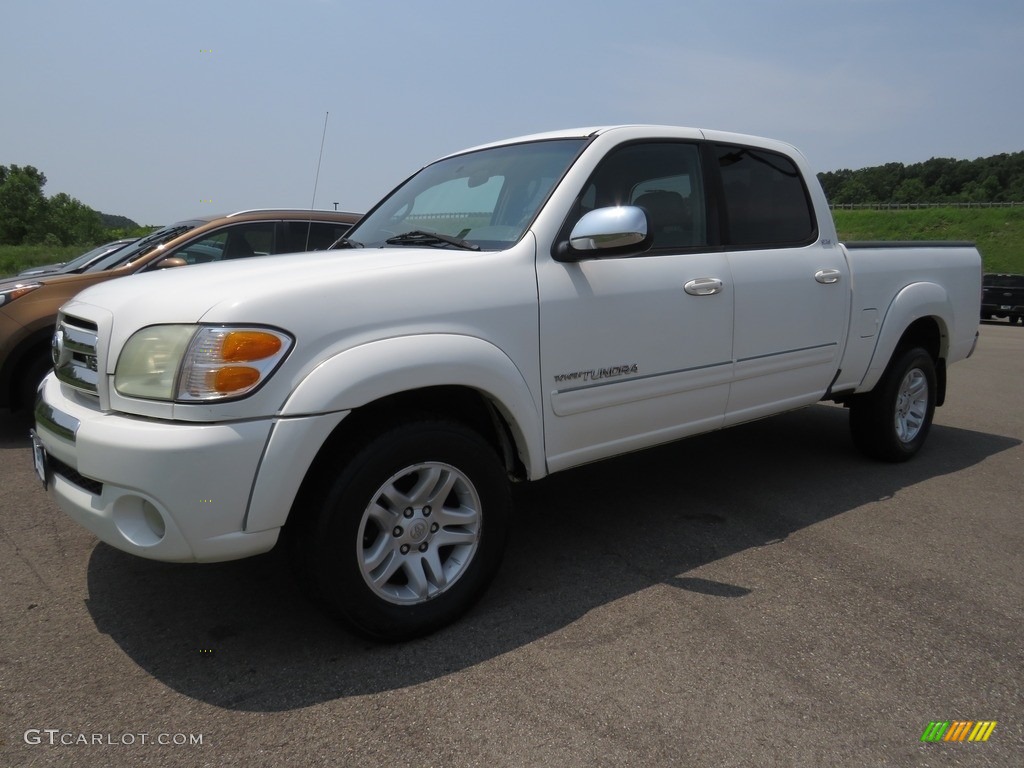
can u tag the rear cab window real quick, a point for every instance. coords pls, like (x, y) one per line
(766, 202)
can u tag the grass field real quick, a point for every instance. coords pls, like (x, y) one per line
(14, 258)
(998, 233)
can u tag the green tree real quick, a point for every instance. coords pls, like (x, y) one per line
(72, 222)
(22, 203)
(999, 178)
(910, 191)
(854, 191)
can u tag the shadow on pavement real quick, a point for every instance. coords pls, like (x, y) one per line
(241, 636)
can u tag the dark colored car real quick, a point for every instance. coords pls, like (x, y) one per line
(28, 305)
(79, 263)
(1002, 296)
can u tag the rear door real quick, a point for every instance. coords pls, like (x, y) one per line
(792, 289)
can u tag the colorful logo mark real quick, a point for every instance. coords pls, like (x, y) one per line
(959, 730)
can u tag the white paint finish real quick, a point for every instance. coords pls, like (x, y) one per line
(198, 476)
(790, 328)
(612, 312)
(513, 325)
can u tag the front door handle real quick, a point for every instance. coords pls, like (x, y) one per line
(827, 276)
(703, 286)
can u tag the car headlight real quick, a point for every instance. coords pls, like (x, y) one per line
(190, 363)
(7, 295)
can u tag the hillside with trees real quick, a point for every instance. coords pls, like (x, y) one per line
(996, 179)
(28, 217)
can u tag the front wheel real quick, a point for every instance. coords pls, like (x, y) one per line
(33, 372)
(892, 421)
(411, 531)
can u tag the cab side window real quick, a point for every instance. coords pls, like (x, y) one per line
(311, 235)
(662, 178)
(237, 242)
(766, 202)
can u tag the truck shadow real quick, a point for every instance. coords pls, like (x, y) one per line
(241, 635)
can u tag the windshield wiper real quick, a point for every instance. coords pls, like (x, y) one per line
(344, 242)
(419, 237)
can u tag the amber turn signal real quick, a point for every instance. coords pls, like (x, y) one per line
(243, 346)
(232, 379)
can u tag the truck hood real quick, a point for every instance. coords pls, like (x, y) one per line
(329, 289)
(187, 294)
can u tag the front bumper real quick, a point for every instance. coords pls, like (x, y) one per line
(165, 491)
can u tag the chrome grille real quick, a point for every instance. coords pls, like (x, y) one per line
(74, 353)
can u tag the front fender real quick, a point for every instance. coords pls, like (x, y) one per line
(372, 371)
(912, 303)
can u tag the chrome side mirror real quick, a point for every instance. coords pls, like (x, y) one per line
(606, 232)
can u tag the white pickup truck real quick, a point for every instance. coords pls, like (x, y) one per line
(507, 312)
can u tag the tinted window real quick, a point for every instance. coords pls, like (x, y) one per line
(766, 202)
(237, 242)
(664, 179)
(311, 236)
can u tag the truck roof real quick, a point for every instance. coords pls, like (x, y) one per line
(587, 132)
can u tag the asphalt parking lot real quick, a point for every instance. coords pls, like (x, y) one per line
(757, 597)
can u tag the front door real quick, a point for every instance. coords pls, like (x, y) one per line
(637, 350)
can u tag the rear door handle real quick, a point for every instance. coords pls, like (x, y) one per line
(827, 276)
(703, 286)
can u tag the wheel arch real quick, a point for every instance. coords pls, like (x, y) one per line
(386, 383)
(464, 378)
(459, 403)
(919, 316)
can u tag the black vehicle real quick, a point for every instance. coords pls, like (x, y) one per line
(1002, 296)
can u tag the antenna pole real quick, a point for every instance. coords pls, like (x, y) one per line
(316, 180)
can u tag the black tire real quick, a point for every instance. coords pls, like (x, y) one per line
(423, 509)
(33, 370)
(891, 422)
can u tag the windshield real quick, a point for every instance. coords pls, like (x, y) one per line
(142, 246)
(90, 256)
(484, 199)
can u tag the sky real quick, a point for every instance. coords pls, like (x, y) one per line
(160, 111)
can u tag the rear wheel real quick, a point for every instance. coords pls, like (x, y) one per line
(892, 421)
(411, 531)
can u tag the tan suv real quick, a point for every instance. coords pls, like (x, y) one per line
(28, 305)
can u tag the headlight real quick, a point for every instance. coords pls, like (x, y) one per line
(188, 363)
(7, 295)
